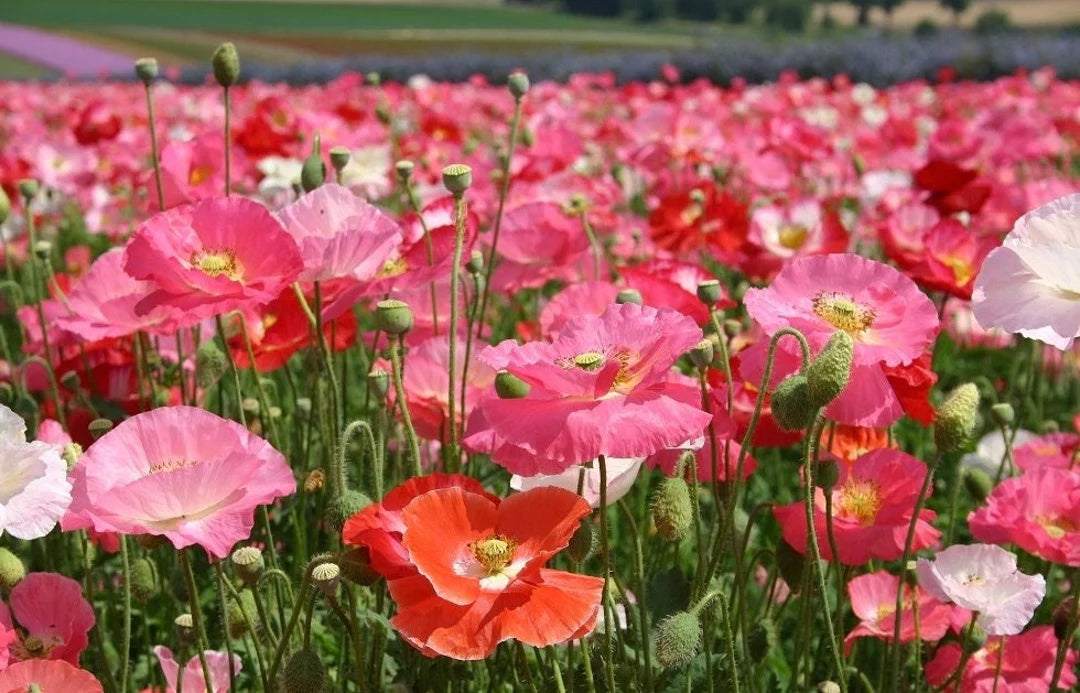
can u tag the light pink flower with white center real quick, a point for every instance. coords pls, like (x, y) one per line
(984, 578)
(34, 490)
(1031, 284)
(621, 473)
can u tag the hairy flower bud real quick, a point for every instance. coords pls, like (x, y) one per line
(240, 615)
(583, 541)
(210, 364)
(790, 564)
(761, 640)
(313, 172)
(379, 381)
(829, 373)
(978, 484)
(343, 507)
(457, 178)
(12, 570)
(672, 509)
(304, 673)
(509, 386)
(393, 317)
(678, 638)
(826, 475)
(226, 64)
(791, 405)
(355, 564)
(955, 421)
(144, 579)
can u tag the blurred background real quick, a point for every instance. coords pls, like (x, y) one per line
(310, 40)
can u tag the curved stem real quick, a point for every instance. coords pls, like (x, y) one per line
(406, 418)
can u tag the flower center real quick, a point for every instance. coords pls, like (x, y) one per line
(394, 267)
(199, 174)
(843, 312)
(589, 361)
(793, 236)
(972, 579)
(962, 270)
(494, 553)
(860, 501)
(215, 263)
(34, 647)
(1056, 527)
(170, 465)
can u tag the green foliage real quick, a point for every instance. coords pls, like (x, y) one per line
(925, 28)
(993, 22)
(596, 8)
(789, 15)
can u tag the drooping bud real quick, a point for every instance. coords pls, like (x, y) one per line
(99, 427)
(146, 69)
(457, 178)
(210, 364)
(339, 158)
(678, 638)
(393, 317)
(326, 577)
(702, 354)
(240, 614)
(791, 405)
(1003, 413)
(340, 509)
(582, 542)
(12, 570)
(829, 373)
(955, 421)
(978, 484)
(248, 564)
(708, 292)
(144, 579)
(509, 386)
(304, 673)
(628, 296)
(761, 640)
(672, 509)
(226, 64)
(518, 84)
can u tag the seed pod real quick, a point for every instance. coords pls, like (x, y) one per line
(393, 317)
(457, 178)
(304, 673)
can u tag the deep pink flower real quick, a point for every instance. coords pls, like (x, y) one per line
(873, 599)
(1057, 450)
(1027, 664)
(194, 681)
(182, 473)
(50, 676)
(54, 616)
(601, 388)
(215, 256)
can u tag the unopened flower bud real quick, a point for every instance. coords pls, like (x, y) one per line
(678, 638)
(762, 640)
(393, 317)
(978, 484)
(313, 172)
(28, 188)
(210, 364)
(304, 672)
(379, 381)
(12, 570)
(732, 327)
(509, 386)
(240, 614)
(339, 158)
(326, 577)
(974, 640)
(5, 206)
(829, 373)
(672, 509)
(628, 296)
(475, 263)
(146, 69)
(99, 427)
(340, 509)
(457, 178)
(955, 421)
(226, 64)
(518, 84)
(709, 292)
(1003, 413)
(404, 169)
(248, 564)
(791, 405)
(702, 354)
(144, 579)
(827, 474)
(582, 542)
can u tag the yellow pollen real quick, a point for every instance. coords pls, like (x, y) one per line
(199, 174)
(269, 320)
(393, 267)
(576, 205)
(973, 579)
(793, 236)
(692, 213)
(216, 263)
(961, 268)
(170, 465)
(494, 553)
(589, 361)
(843, 313)
(1056, 527)
(860, 501)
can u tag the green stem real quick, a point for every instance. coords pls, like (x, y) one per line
(154, 160)
(605, 548)
(220, 583)
(453, 461)
(125, 643)
(228, 143)
(196, 617)
(399, 390)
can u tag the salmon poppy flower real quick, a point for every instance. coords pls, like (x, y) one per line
(480, 575)
(53, 616)
(873, 599)
(873, 501)
(211, 257)
(178, 472)
(49, 676)
(603, 387)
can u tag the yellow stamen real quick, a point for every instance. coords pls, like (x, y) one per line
(843, 313)
(860, 501)
(494, 553)
(793, 236)
(215, 263)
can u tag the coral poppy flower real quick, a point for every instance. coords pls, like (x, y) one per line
(339, 234)
(911, 384)
(603, 387)
(48, 676)
(36, 492)
(873, 501)
(379, 526)
(193, 680)
(1038, 511)
(214, 256)
(182, 473)
(281, 328)
(851, 442)
(1027, 664)
(481, 578)
(53, 615)
(1031, 284)
(873, 599)
(890, 320)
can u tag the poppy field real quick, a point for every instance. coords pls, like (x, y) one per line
(475, 386)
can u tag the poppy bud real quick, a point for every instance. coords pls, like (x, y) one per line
(628, 296)
(978, 484)
(828, 687)
(708, 292)
(404, 169)
(28, 188)
(678, 638)
(393, 317)
(239, 614)
(672, 509)
(702, 354)
(457, 178)
(1003, 413)
(304, 673)
(5, 206)
(475, 263)
(12, 570)
(144, 579)
(379, 380)
(955, 421)
(226, 64)
(732, 327)
(248, 564)
(210, 364)
(826, 475)
(828, 374)
(339, 158)
(343, 507)
(582, 542)
(761, 640)
(518, 84)
(791, 405)
(313, 172)
(99, 427)
(509, 386)
(326, 577)
(146, 69)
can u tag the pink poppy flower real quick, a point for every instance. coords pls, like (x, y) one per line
(873, 599)
(873, 501)
(1056, 450)
(581, 297)
(984, 578)
(669, 284)
(601, 388)
(1027, 664)
(182, 473)
(890, 320)
(1031, 284)
(54, 616)
(800, 228)
(193, 679)
(193, 170)
(621, 473)
(538, 241)
(1039, 512)
(48, 676)
(215, 256)
(36, 492)
(339, 234)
